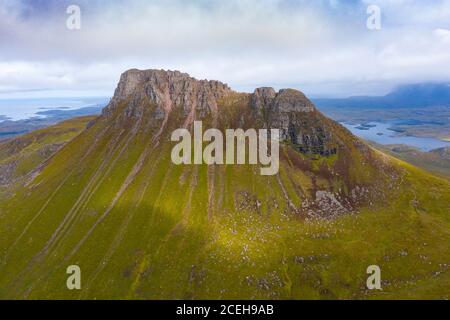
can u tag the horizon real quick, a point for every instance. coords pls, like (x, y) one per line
(71, 94)
(314, 97)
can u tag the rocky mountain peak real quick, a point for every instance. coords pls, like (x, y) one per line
(169, 90)
(298, 120)
(286, 100)
(291, 100)
(263, 96)
(173, 89)
(161, 92)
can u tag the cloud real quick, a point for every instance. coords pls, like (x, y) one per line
(322, 47)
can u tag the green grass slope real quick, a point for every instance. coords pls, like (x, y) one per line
(20, 156)
(432, 161)
(140, 227)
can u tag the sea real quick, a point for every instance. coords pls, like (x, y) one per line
(21, 109)
(382, 133)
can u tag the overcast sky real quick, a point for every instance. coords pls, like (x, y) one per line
(322, 47)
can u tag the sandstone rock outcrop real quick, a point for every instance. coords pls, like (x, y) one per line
(289, 110)
(169, 90)
(298, 120)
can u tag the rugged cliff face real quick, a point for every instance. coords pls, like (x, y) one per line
(169, 90)
(299, 121)
(289, 110)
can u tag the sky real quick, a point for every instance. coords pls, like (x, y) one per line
(322, 47)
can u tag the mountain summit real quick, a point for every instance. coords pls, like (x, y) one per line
(138, 226)
(174, 92)
(170, 89)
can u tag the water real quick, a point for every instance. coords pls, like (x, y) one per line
(19, 109)
(379, 132)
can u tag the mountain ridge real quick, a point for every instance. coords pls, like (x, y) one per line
(168, 90)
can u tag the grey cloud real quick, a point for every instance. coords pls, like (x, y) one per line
(323, 46)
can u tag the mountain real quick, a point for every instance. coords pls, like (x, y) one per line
(442, 153)
(406, 96)
(112, 202)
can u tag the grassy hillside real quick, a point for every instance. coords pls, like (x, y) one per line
(112, 202)
(20, 156)
(433, 161)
